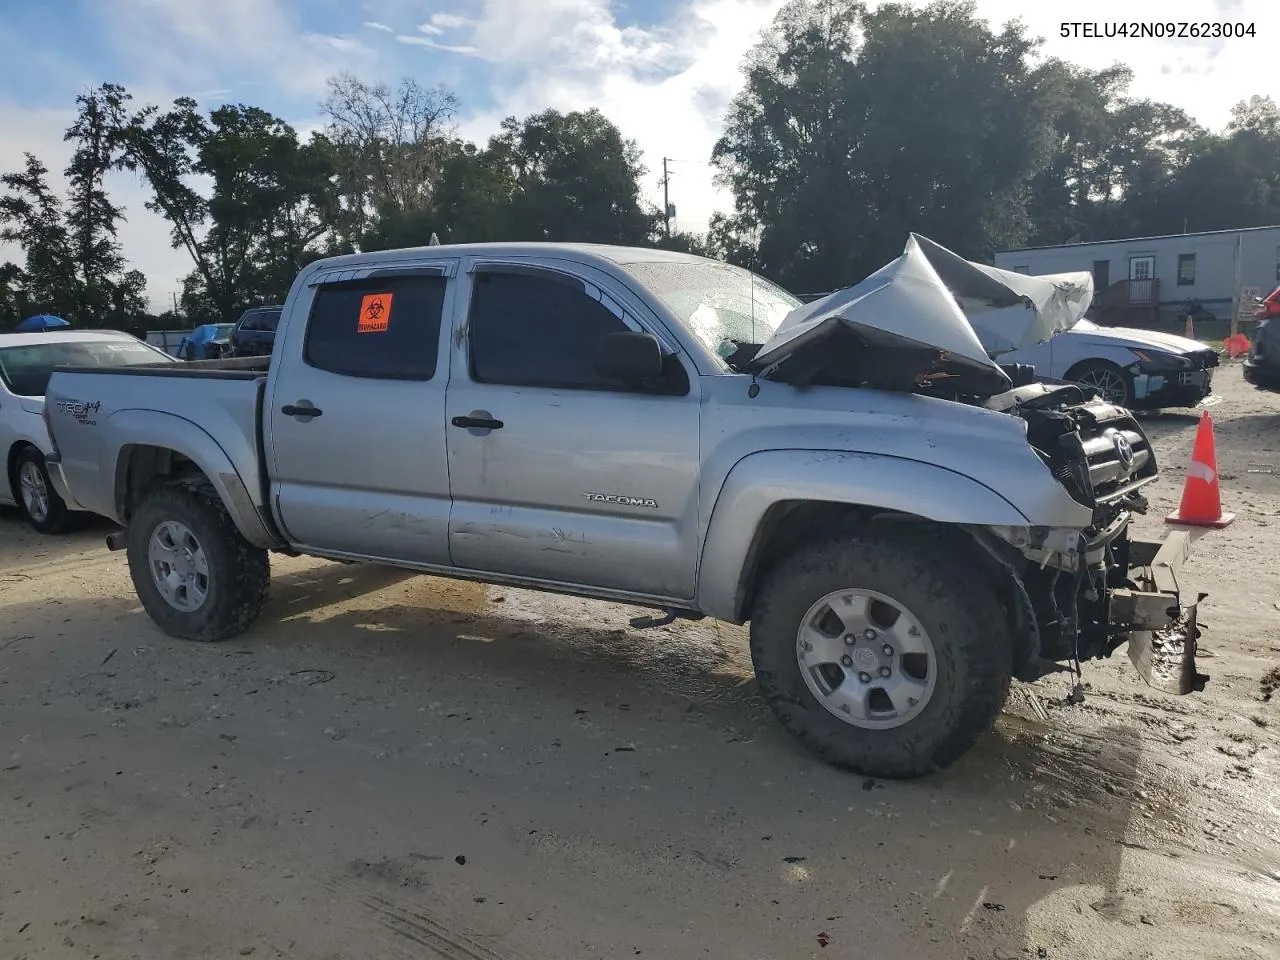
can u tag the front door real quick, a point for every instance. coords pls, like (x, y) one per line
(1101, 275)
(556, 475)
(1142, 279)
(356, 420)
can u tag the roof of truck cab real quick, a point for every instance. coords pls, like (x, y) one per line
(62, 336)
(587, 252)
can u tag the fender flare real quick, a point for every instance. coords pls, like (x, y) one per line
(149, 428)
(760, 481)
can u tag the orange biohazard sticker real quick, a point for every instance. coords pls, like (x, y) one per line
(375, 313)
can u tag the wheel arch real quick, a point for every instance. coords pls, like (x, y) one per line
(774, 500)
(1096, 361)
(176, 449)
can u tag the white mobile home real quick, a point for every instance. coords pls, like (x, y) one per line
(1153, 281)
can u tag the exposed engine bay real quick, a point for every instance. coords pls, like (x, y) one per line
(1091, 596)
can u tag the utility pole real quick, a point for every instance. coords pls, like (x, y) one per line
(666, 197)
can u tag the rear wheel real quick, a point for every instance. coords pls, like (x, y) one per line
(1115, 385)
(46, 511)
(196, 576)
(881, 654)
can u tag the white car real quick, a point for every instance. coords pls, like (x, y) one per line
(26, 363)
(1138, 369)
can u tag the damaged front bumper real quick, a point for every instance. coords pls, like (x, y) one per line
(1158, 615)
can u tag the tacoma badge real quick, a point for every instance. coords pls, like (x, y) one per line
(625, 501)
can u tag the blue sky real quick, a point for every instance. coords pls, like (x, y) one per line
(663, 70)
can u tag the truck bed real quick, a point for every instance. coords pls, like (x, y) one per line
(228, 368)
(99, 416)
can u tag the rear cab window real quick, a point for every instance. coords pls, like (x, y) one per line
(383, 328)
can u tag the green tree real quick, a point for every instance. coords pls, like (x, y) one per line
(32, 217)
(1113, 157)
(388, 148)
(856, 126)
(13, 297)
(572, 176)
(1232, 181)
(91, 218)
(269, 199)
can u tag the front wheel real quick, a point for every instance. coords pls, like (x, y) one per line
(882, 653)
(1115, 385)
(196, 576)
(46, 511)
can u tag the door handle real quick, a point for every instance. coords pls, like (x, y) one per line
(477, 423)
(300, 410)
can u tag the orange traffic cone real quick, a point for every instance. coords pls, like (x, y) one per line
(1201, 501)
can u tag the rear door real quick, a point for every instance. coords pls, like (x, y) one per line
(355, 417)
(555, 474)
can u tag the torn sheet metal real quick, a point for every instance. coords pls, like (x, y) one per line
(1010, 311)
(900, 328)
(928, 319)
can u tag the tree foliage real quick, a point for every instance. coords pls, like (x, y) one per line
(72, 266)
(855, 127)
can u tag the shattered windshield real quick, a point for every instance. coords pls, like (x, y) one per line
(721, 305)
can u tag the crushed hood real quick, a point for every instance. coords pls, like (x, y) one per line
(1010, 311)
(929, 320)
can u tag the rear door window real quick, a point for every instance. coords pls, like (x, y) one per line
(385, 328)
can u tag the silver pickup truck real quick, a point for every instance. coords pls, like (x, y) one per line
(904, 527)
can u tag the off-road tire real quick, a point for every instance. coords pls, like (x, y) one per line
(59, 518)
(239, 573)
(955, 604)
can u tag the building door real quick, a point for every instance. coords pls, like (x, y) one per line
(1142, 279)
(1101, 275)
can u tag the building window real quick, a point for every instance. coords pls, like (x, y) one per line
(1186, 269)
(1022, 269)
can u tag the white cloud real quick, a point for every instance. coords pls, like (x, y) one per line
(430, 29)
(667, 88)
(375, 25)
(1204, 76)
(433, 45)
(450, 21)
(175, 45)
(344, 44)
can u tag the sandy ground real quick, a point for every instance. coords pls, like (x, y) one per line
(397, 766)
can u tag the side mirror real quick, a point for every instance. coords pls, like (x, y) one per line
(633, 358)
